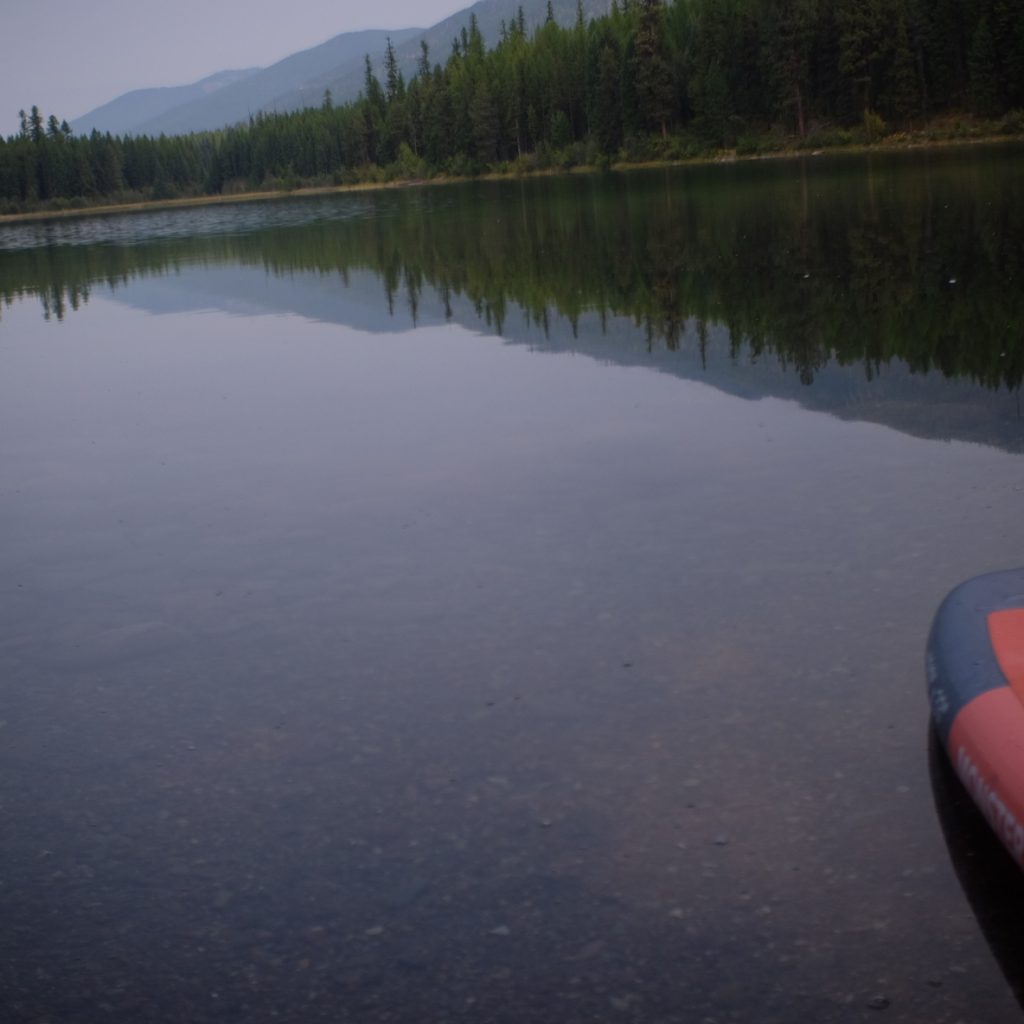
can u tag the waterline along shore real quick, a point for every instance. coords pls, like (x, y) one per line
(901, 142)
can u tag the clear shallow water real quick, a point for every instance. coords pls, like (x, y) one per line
(358, 671)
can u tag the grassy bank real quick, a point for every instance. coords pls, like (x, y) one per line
(673, 151)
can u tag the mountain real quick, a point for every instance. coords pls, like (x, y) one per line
(301, 79)
(346, 81)
(127, 112)
(263, 91)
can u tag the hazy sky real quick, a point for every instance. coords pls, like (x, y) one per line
(69, 56)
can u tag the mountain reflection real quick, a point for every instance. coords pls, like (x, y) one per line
(910, 259)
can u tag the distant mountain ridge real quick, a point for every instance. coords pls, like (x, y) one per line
(126, 112)
(301, 79)
(264, 90)
(345, 82)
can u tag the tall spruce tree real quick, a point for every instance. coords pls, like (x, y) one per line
(651, 71)
(981, 67)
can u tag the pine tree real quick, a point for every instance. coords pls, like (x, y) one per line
(653, 76)
(788, 31)
(35, 125)
(392, 76)
(606, 98)
(904, 89)
(863, 44)
(484, 118)
(981, 68)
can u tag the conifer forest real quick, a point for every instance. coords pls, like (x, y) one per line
(649, 80)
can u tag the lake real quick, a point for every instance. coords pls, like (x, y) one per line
(507, 601)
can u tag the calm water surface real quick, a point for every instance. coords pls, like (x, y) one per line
(506, 602)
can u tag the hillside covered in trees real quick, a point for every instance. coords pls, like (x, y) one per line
(648, 80)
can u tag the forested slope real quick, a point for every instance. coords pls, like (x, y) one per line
(650, 79)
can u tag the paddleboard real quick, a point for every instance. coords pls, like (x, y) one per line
(975, 669)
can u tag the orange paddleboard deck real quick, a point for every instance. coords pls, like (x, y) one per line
(975, 668)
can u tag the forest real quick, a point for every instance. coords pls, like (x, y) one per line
(650, 80)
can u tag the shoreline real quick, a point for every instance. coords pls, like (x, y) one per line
(894, 145)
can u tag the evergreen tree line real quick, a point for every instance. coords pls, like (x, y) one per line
(650, 79)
